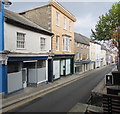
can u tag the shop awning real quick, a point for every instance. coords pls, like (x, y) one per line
(27, 58)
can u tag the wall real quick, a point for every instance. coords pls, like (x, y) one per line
(40, 16)
(59, 30)
(92, 52)
(14, 81)
(1, 27)
(82, 49)
(32, 40)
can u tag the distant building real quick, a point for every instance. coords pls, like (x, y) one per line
(92, 54)
(98, 60)
(82, 59)
(103, 55)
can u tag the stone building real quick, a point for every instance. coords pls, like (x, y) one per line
(55, 18)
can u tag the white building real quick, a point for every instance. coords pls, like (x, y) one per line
(97, 55)
(26, 48)
(92, 55)
(103, 55)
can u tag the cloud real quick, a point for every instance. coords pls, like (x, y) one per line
(84, 24)
(65, 0)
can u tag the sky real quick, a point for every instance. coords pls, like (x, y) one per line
(86, 12)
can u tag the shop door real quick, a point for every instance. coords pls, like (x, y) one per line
(24, 77)
(68, 66)
(56, 69)
(62, 68)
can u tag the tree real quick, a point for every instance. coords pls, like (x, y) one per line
(108, 28)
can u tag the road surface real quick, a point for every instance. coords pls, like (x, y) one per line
(63, 99)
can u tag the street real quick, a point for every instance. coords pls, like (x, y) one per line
(63, 99)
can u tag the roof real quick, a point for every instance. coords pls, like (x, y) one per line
(81, 39)
(20, 20)
(58, 6)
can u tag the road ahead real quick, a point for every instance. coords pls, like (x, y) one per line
(63, 99)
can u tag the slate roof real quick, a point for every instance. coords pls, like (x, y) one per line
(81, 39)
(17, 18)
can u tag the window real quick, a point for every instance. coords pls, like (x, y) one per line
(20, 40)
(42, 44)
(66, 43)
(64, 23)
(57, 19)
(57, 43)
(70, 26)
(77, 56)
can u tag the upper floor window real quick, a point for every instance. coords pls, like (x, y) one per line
(70, 26)
(57, 19)
(20, 40)
(77, 56)
(43, 44)
(64, 22)
(66, 43)
(57, 43)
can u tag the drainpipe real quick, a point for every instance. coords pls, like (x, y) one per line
(2, 63)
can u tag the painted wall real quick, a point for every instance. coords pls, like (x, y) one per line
(81, 51)
(32, 40)
(2, 66)
(103, 56)
(92, 52)
(98, 55)
(60, 31)
(1, 27)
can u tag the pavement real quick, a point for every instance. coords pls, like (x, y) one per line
(99, 90)
(30, 93)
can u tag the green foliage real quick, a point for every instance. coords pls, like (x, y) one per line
(107, 24)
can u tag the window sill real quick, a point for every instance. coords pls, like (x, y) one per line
(57, 25)
(20, 49)
(66, 51)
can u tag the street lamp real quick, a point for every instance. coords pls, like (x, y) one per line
(6, 2)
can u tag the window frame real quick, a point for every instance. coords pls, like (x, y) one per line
(70, 26)
(66, 44)
(57, 43)
(42, 44)
(57, 19)
(65, 23)
(20, 41)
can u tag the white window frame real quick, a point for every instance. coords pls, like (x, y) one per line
(20, 41)
(57, 42)
(57, 18)
(66, 44)
(70, 26)
(65, 23)
(42, 44)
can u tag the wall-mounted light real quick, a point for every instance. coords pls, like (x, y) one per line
(7, 3)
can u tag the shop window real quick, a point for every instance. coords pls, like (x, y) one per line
(41, 64)
(14, 67)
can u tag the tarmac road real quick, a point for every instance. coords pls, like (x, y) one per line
(63, 99)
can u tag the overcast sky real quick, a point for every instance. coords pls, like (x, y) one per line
(86, 13)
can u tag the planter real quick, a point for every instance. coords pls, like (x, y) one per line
(116, 77)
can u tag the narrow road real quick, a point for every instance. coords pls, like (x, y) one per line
(63, 99)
